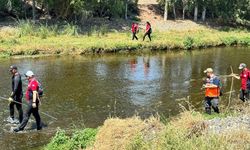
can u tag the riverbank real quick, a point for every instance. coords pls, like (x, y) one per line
(189, 130)
(27, 39)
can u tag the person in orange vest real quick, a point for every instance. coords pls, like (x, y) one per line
(245, 82)
(212, 91)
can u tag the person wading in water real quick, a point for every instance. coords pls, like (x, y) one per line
(148, 31)
(245, 82)
(212, 91)
(16, 95)
(32, 97)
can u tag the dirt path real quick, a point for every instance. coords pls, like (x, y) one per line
(150, 11)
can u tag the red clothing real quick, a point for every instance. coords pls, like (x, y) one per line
(244, 75)
(134, 27)
(32, 86)
(148, 27)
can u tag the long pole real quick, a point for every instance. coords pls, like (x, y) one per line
(27, 105)
(231, 88)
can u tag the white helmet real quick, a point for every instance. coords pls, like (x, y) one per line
(29, 74)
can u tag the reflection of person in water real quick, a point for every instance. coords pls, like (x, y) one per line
(146, 62)
(133, 63)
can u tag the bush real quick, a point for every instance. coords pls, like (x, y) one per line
(188, 43)
(79, 140)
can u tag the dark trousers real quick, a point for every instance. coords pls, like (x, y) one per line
(212, 102)
(244, 95)
(18, 107)
(134, 36)
(147, 34)
(30, 110)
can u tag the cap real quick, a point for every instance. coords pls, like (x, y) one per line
(242, 66)
(13, 67)
(210, 70)
(29, 74)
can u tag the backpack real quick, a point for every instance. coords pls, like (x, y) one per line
(40, 89)
(248, 80)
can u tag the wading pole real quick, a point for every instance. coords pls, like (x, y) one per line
(231, 89)
(27, 105)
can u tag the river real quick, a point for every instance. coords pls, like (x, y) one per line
(82, 91)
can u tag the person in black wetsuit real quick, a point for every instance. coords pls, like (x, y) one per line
(16, 94)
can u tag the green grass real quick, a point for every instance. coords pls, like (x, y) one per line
(80, 139)
(67, 39)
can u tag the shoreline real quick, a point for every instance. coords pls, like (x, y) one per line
(37, 42)
(190, 129)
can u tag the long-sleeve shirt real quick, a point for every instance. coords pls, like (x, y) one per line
(17, 86)
(244, 76)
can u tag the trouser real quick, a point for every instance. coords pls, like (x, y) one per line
(18, 107)
(244, 95)
(134, 36)
(147, 34)
(30, 110)
(212, 102)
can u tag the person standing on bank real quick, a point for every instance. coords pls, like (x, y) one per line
(245, 82)
(33, 99)
(212, 91)
(148, 31)
(16, 95)
(134, 29)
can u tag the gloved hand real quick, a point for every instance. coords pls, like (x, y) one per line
(34, 105)
(11, 99)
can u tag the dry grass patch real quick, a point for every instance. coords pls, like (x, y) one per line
(119, 133)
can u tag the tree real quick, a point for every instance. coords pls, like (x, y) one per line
(166, 11)
(184, 7)
(126, 9)
(196, 10)
(174, 12)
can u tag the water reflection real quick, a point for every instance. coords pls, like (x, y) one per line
(87, 90)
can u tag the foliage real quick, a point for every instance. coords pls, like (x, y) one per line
(80, 139)
(188, 42)
(226, 11)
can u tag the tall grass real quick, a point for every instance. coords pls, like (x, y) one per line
(68, 39)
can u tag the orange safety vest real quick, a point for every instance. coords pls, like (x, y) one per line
(212, 92)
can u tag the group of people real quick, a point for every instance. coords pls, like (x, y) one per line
(31, 95)
(135, 30)
(212, 87)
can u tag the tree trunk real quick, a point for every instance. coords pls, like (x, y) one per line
(33, 10)
(126, 10)
(166, 11)
(196, 12)
(174, 11)
(204, 13)
(183, 12)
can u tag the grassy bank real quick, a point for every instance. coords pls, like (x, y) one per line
(27, 39)
(189, 130)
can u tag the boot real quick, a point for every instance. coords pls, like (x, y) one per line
(216, 109)
(208, 111)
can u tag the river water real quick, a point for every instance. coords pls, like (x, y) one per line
(82, 91)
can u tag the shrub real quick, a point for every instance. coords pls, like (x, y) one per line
(188, 43)
(79, 140)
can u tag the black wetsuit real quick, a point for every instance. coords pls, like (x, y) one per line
(17, 95)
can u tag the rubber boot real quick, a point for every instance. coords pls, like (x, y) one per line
(216, 109)
(208, 111)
